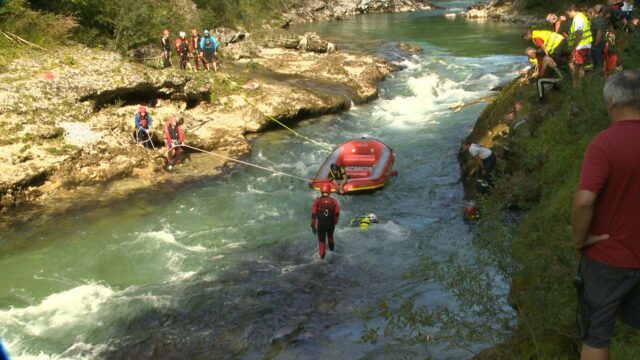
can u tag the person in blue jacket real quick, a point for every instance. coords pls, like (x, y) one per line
(209, 46)
(142, 121)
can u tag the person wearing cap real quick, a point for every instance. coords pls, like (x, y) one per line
(166, 49)
(325, 213)
(338, 177)
(142, 122)
(209, 45)
(195, 50)
(182, 48)
(175, 140)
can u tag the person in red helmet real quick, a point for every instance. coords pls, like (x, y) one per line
(142, 122)
(324, 217)
(175, 141)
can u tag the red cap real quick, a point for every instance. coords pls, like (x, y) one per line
(142, 109)
(325, 189)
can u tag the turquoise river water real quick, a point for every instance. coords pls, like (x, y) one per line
(227, 267)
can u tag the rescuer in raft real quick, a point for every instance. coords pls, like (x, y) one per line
(338, 176)
(324, 217)
(363, 221)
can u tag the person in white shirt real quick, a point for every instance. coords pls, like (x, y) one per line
(580, 39)
(486, 161)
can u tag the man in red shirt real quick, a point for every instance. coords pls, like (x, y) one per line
(325, 212)
(605, 221)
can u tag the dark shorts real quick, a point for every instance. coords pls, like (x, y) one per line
(608, 291)
(210, 56)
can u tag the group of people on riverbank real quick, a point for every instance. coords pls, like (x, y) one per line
(583, 39)
(201, 48)
(174, 136)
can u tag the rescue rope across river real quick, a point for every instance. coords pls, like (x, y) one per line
(244, 162)
(324, 146)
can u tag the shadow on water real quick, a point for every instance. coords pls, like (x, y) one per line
(292, 298)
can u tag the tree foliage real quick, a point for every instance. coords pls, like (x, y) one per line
(123, 25)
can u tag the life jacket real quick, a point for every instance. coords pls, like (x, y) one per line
(550, 39)
(184, 47)
(337, 175)
(326, 210)
(208, 42)
(195, 43)
(166, 43)
(364, 223)
(144, 122)
(587, 38)
(173, 132)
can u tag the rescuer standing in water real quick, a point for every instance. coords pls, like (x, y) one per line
(324, 217)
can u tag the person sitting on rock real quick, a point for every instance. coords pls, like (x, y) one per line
(182, 48)
(175, 140)
(486, 161)
(338, 177)
(142, 122)
(209, 45)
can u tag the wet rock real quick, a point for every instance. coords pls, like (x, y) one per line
(410, 48)
(242, 50)
(286, 333)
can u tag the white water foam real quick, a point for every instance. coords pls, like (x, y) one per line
(69, 314)
(167, 237)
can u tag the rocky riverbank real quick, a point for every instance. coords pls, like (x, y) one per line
(67, 115)
(501, 10)
(340, 9)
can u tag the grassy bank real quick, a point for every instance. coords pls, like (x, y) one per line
(539, 175)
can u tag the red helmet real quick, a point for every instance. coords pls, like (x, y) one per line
(325, 189)
(142, 109)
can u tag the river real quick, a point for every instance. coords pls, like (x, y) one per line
(227, 267)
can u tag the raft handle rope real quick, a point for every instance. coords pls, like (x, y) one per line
(244, 162)
(324, 146)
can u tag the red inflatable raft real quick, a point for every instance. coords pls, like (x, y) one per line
(368, 163)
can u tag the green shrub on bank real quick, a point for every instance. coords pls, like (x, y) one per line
(550, 156)
(118, 25)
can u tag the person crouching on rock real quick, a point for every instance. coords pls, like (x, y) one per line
(142, 121)
(338, 177)
(175, 141)
(325, 212)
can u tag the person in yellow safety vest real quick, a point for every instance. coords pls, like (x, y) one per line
(547, 40)
(552, 43)
(363, 221)
(580, 40)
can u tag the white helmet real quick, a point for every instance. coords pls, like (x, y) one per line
(183, 34)
(373, 217)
